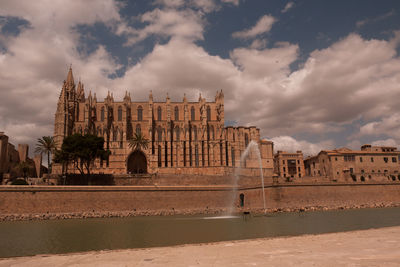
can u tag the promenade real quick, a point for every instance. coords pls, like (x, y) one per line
(374, 247)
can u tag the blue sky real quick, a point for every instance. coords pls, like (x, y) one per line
(310, 74)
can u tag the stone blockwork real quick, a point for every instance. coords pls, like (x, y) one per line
(199, 199)
(187, 137)
(370, 163)
(289, 165)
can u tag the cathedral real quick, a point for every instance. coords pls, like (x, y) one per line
(184, 137)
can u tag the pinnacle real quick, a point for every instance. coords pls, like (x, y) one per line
(70, 77)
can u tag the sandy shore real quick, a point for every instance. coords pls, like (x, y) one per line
(375, 247)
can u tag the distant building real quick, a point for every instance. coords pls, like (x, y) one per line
(10, 157)
(289, 165)
(184, 137)
(371, 162)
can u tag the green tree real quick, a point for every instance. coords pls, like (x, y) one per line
(82, 150)
(46, 145)
(138, 142)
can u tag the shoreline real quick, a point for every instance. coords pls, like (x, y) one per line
(173, 212)
(372, 247)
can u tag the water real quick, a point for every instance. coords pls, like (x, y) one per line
(252, 146)
(76, 235)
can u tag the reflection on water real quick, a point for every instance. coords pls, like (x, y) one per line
(63, 236)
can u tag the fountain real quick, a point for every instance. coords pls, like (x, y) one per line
(252, 146)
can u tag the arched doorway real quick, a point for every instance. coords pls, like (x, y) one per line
(137, 163)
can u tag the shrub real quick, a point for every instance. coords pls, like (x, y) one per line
(19, 182)
(353, 176)
(362, 179)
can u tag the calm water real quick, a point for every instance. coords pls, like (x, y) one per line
(63, 236)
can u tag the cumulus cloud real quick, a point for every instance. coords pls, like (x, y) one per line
(35, 61)
(385, 142)
(263, 25)
(234, 2)
(185, 24)
(289, 144)
(288, 6)
(387, 125)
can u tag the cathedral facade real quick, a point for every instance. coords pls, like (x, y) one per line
(184, 137)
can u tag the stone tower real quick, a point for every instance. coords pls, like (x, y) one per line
(66, 110)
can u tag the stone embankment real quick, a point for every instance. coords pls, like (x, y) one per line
(122, 214)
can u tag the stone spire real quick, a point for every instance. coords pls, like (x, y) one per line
(70, 77)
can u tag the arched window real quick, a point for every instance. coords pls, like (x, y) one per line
(140, 113)
(246, 139)
(159, 156)
(196, 155)
(195, 133)
(192, 114)
(233, 156)
(177, 133)
(138, 129)
(176, 113)
(159, 134)
(115, 133)
(102, 114)
(159, 113)
(119, 113)
(208, 113)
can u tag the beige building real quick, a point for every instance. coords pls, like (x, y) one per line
(289, 165)
(185, 137)
(10, 157)
(371, 162)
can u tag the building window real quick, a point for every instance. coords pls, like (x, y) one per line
(284, 169)
(159, 134)
(349, 158)
(394, 159)
(298, 161)
(192, 114)
(373, 171)
(335, 158)
(195, 133)
(159, 113)
(208, 113)
(283, 162)
(372, 159)
(362, 171)
(140, 113)
(176, 113)
(361, 159)
(177, 133)
(119, 113)
(196, 156)
(159, 156)
(138, 129)
(233, 156)
(102, 114)
(385, 159)
(246, 139)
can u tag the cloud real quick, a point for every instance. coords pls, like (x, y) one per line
(388, 126)
(288, 6)
(186, 24)
(35, 62)
(385, 142)
(263, 25)
(289, 144)
(362, 23)
(234, 2)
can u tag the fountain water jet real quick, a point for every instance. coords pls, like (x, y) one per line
(252, 146)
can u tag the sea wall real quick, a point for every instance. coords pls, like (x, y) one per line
(190, 199)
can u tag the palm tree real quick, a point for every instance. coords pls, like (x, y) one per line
(138, 142)
(47, 145)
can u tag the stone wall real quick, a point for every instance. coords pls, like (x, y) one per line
(180, 199)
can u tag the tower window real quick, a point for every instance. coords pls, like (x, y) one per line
(176, 113)
(102, 114)
(208, 113)
(140, 113)
(159, 113)
(119, 113)
(192, 114)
